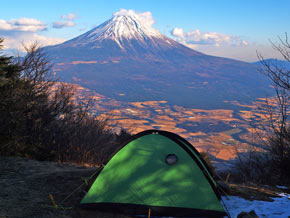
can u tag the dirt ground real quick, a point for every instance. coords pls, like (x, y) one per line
(25, 186)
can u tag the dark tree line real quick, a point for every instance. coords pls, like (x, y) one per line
(39, 118)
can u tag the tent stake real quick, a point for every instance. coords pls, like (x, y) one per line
(53, 201)
(227, 179)
(149, 212)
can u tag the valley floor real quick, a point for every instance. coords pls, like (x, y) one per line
(26, 185)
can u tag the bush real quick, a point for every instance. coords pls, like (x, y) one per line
(271, 163)
(39, 118)
(252, 167)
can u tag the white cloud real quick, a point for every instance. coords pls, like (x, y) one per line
(223, 45)
(66, 21)
(69, 16)
(244, 42)
(27, 38)
(178, 32)
(195, 37)
(62, 24)
(22, 24)
(24, 30)
(145, 17)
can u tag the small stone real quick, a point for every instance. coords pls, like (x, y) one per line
(251, 214)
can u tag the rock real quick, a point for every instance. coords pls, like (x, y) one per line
(251, 214)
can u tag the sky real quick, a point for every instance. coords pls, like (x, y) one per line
(234, 29)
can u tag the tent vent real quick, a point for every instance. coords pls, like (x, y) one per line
(171, 159)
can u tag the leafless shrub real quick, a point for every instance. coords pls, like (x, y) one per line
(271, 162)
(40, 119)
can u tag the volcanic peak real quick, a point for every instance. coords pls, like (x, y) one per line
(122, 27)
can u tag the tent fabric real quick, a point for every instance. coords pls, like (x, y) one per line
(137, 178)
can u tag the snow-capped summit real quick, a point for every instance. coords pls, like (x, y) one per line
(122, 29)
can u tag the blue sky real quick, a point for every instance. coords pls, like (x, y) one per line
(234, 29)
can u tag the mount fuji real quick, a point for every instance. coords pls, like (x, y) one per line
(128, 60)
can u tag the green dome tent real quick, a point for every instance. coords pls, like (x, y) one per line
(157, 170)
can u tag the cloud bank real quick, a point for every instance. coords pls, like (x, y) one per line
(22, 24)
(24, 30)
(194, 38)
(16, 43)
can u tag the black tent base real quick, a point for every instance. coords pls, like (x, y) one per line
(142, 210)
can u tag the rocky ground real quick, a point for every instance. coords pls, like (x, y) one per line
(25, 186)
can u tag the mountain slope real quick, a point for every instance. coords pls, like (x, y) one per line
(127, 60)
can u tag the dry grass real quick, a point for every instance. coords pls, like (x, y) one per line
(255, 192)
